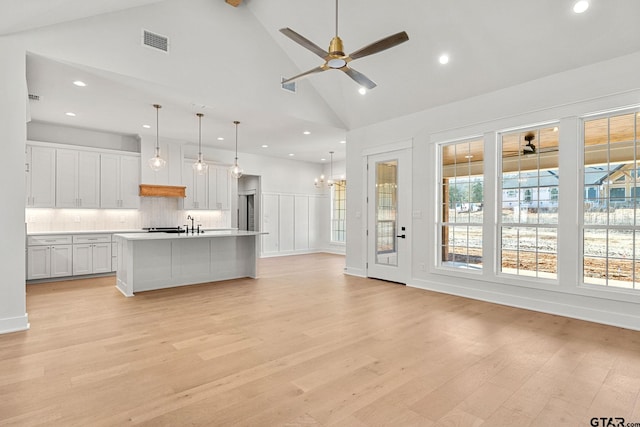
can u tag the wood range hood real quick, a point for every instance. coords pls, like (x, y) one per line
(149, 190)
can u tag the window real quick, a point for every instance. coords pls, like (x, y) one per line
(529, 203)
(462, 196)
(339, 211)
(611, 220)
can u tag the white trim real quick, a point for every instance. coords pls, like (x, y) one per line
(385, 148)
(581, 312)
(82, 148)
(357, 272)
(14, 324)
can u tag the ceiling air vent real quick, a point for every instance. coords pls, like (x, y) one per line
(33, 97)
(155, 41)
(289, 87)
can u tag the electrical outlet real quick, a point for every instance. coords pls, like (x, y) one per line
(76, 218)
(122, 218)
(422, 267)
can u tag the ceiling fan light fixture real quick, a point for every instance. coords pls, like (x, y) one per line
(156, 162)
(336, 63)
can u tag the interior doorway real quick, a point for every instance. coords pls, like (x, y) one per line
(248, 213)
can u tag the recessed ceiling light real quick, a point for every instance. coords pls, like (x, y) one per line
(70, 114)
(306, 132)
(265, 146)
(322, 159)
(362, 91)
(220, 138)
(444, 59)
(343, 142)
(580, 6)
(291, 154)
(146, 126)
(79, 83)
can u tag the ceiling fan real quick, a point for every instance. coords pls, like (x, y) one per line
(529, 148)
(336, 59)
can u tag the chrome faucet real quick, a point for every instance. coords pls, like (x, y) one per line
(189, 217)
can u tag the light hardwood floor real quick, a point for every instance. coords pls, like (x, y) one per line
(305, 345)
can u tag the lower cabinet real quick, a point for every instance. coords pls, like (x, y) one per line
(49, 261)
(91, 254)
(68, 255)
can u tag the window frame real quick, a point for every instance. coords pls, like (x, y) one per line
(511, 278)
(439, 265)
(614, 292)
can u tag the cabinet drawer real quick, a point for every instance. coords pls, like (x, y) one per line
(92, 238)
(48, 240)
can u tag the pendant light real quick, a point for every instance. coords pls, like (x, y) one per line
(319, 182)
(156, 162)
(236, 170)
(200, 167)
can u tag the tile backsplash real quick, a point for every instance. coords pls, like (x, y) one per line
(153, 212)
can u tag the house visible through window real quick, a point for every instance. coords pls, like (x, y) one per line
(339, 211)
(611, 220)
(529, 203)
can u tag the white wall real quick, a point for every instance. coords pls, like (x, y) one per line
(50, 132)
(563, 96)
(13, 117)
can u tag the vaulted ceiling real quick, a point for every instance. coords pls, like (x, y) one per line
(230, 60)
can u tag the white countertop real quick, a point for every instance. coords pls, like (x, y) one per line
(183, 236)
(66, 232)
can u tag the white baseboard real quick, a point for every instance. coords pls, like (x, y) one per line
(14, 324)
(588, 313)
(358, 272)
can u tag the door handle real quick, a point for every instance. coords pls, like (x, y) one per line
(402, 236)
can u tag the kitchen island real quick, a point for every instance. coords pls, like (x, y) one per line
(148, 261)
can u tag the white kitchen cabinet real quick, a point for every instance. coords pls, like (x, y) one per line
(92, 254)
(40, 168)
(218, 190)
(77, 179)
(197, 187)
(119, 181)
(49, 256)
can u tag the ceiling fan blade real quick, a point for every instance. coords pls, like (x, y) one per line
(302, 41)
(360, 78)
(380, 45)
(306, 73)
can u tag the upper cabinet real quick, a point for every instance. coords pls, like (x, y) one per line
(219, 188)
(119, 181)
(196, 187)
(209, 191)
(40, 167)
(64, 177)
(77, 179)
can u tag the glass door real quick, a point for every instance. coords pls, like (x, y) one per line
(388, 212)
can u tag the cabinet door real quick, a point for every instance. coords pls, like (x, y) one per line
(82, 259)
(42, 184)
(196, 187)
(101, 254)
(109, 197)
(61, 260)
(88, 180)
(129, 182)
(66, 178)
(38, 262)
(222, 185)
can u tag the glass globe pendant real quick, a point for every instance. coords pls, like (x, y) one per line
(156, 162)
(236, 170)
(200, 167)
